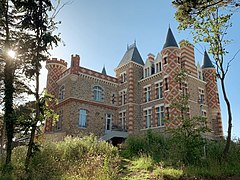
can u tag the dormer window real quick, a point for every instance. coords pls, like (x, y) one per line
(123, 77)
(147, 72)
(158, 67)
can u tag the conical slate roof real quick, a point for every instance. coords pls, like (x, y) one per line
(207, 63)
(104, 70)
(170, 40)
(131, 54)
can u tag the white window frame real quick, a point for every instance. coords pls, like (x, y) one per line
(108, 117)
(148, 117)
(82, 120)
(123, 76)
(147, 93)
(122, 117)
(201, 95)
(97, 93)
(123, 96)
(160, 115)
(159, 89)
(61, 94)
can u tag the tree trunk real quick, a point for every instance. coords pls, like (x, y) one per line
(228, 142)
(8, 115)
(9, 118)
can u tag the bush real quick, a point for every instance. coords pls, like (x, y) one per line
(73, 158)
(150, 143)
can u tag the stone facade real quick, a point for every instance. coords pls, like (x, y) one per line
(137, 99)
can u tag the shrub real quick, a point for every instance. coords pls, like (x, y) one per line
(150, 143)
(73, 158)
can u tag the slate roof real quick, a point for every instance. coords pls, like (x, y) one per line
(207, 63)
(104, 70)
(132, 54)
(170, 40)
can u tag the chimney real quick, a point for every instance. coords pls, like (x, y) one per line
(75, 61)
(151, 57)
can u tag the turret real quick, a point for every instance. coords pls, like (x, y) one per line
(171, 66)
(212, 99)
(55, 68)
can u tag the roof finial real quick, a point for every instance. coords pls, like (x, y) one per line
(127, 46)
(135, 42)
(104, 70)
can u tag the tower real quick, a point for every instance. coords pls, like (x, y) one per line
(129, 72)
(55, 68)
(171, 63)
(212, 98)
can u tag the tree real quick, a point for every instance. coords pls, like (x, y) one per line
(210, 25)
(188, 136)
(7, 42)
(39, 29)
(193, 7)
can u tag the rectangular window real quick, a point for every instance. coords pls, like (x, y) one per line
(159, 94)
(113, 99)
(123, 97)
(122, 116)
(108, 122)
(123, 77)
(61, 95)
(147, 72)
(178, 60)
(166, 84)
(82, 118)
(201, 96)
(199, 75)
(148, 117)
(160, 115)
(185, 89)
(147, 92)
(157, 68)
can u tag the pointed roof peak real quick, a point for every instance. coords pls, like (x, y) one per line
(207, 63)
(132, 54)
(170, 40)
(104, 70)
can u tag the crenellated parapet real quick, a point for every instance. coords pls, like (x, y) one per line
(52, 63)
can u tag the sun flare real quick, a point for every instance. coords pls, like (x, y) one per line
(11, 53)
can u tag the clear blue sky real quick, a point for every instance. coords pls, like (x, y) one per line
(99, 31)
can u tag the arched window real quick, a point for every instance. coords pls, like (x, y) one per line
(97, 93)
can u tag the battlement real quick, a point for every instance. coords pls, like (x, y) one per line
(57, 61)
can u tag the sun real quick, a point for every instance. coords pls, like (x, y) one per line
(11, 53)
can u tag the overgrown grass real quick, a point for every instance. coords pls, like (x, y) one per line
(148, 156)
(166, 151)
(73, 158)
